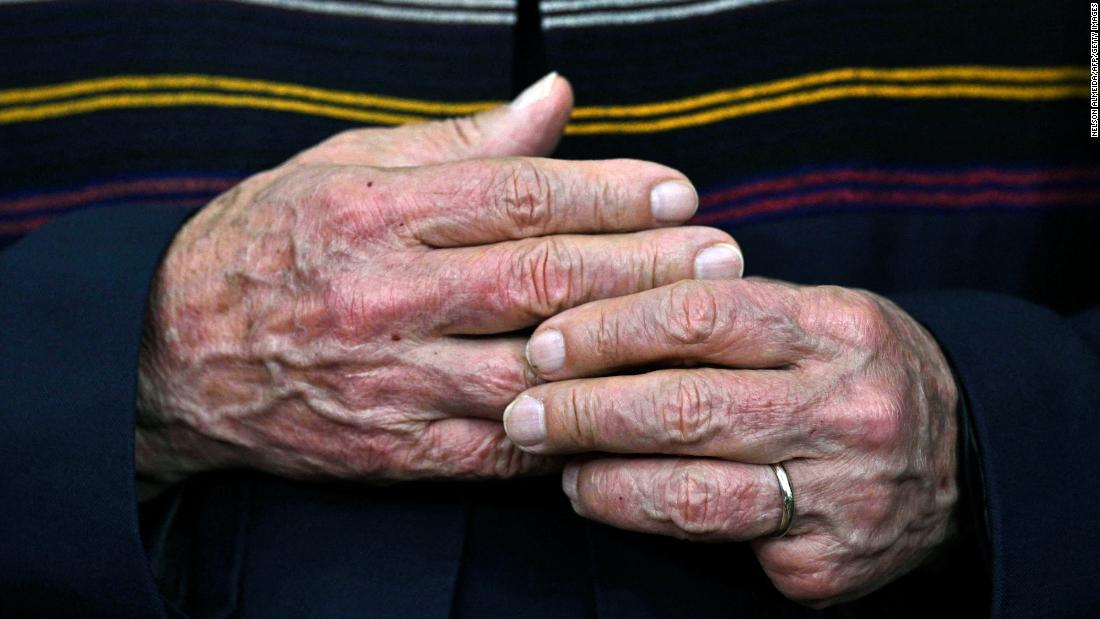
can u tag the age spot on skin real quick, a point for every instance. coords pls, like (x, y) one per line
(395, 338)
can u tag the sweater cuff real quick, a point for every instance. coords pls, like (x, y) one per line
(1029, 384)
(72, 305)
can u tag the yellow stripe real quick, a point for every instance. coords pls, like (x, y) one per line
(973, 91)
(114, 102)
(348, 98)
(849, 74)
(409, 110)
(239, 86)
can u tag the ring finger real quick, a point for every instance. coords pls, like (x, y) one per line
(680, 497)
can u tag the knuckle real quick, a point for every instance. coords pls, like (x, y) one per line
(355, 311)
(876, 420)
(505, 461)
(601, 491)
(440, 451)
(693, 501)
(807, 571)
(332, 149)
(524, 194)
(466, 131)
(691, 313)
(546, 276)
(858, 317)
(607, 336)
(334, 201)
(577, 408)
(689, 417)
(347, 137)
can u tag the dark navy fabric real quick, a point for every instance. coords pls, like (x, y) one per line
(1031, 380)
(72, 301)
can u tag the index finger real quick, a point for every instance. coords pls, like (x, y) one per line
(474, 202)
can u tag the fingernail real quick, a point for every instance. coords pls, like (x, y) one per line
(721, 261)
(535, 92)
(673, 201)
(525, 421)
(569, 481)
(546, 351)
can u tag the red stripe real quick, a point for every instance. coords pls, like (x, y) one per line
(118, 189)
(970, 177)
(23, 226)
(911, 198)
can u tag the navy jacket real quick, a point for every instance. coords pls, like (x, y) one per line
(977, 215)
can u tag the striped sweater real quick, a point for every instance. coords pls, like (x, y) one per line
(935, 152)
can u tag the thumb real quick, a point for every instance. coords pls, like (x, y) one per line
(531, 125)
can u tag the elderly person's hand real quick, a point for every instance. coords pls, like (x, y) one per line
(842, 387)
(353, 312)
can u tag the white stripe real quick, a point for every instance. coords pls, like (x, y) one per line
(448, 4)
(435, 11)
(457, 4)
(329, 7)
(451, 11)
(452, 4)
(558, 6)
(620, 18)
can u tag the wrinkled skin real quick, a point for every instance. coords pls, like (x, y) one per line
(842, 386)
(352, 313)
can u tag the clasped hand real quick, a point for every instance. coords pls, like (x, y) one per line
(843, 388)
(355, 312)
